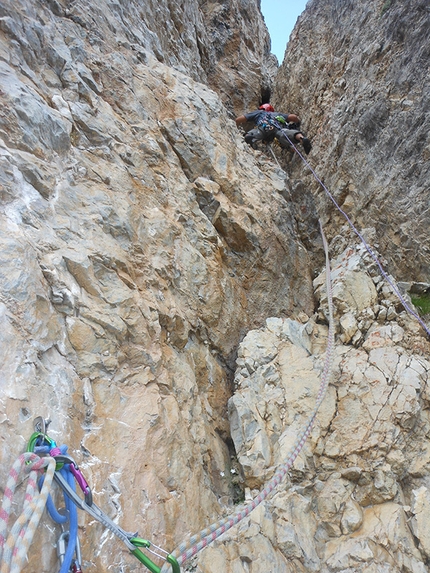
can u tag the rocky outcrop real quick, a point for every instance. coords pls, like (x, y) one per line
(358, 75)
(140, 241)
(157, 303)
(226, 45)
(242, 69)
(360, 483)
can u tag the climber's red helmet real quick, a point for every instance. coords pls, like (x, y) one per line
(266, 107)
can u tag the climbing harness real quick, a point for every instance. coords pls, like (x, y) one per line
(396, 291)
(65, 472)
(267, 122)
(194, 544)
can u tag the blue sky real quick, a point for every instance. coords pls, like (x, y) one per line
(280, 17)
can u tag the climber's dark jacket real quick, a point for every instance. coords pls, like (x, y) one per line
(270, 125)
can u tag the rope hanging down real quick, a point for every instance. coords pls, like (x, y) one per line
(399, 295)
(197, 542)
(14, 547)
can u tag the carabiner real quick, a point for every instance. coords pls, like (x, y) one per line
(82, 482)
(38, 436)
(62, 542)
(138, 542)
(62, 545)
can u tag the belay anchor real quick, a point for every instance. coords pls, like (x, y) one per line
(43, 452)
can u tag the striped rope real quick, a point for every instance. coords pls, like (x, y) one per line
(14, 547)
(396, 291)
(194, 544)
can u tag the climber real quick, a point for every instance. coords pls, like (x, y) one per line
(270, 124)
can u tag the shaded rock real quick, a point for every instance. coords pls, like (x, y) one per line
(420, 508)
(143, 248)
(346, 74)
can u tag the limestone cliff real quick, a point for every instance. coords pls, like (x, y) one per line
(358, 74)
(157, 300)
(140, 242)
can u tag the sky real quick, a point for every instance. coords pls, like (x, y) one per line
(280, 17)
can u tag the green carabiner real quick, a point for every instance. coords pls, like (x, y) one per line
(147, 561)
(50, 442)
(174, 563)
(34, 437)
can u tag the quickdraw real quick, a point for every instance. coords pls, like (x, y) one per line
(67, 474)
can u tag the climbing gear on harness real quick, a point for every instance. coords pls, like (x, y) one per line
(265, 126)
(197, 542)
(267, 122)
(281, 119)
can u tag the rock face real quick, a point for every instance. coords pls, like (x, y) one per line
(157, 303)
(140, 241)
(357, 73)
(360, 483)
(225, 45)
(241, 68)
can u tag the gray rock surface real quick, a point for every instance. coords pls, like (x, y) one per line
(137, 248)
(357, 73)
(360, 481)
(225, 45)
(157, 301)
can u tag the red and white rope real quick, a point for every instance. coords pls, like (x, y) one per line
(14, 547)
(197, 542)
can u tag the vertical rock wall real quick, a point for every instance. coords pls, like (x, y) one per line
(242, 68)
(156, 299)
(357, 497)
(357, 73)
(139, 242)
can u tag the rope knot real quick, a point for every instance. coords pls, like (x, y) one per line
(36, 464)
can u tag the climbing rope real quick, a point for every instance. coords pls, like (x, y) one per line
(274, 156)
(68, 548)
(197, 542)
(64, 471)
(15, 546)
(399, 295)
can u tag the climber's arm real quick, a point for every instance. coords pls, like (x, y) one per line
(241, 119)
